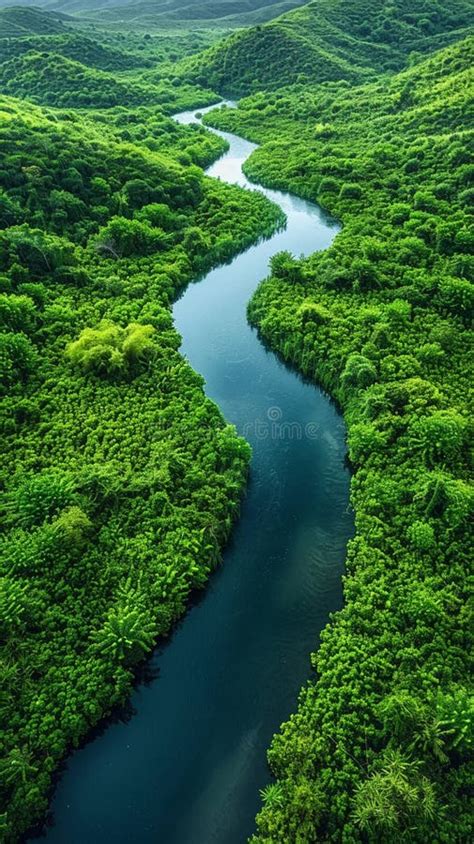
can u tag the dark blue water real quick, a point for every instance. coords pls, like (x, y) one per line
(187, 768)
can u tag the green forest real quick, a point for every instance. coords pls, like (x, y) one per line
(120, 480)
(382, 319)
(110, 447)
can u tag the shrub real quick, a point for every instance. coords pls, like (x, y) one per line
(350, 190)
(421, 536)
(111, 350)
(359, 371)
(313, 312)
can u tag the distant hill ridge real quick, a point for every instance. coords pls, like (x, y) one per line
(156, 12)
(18, 21)
(330, 40)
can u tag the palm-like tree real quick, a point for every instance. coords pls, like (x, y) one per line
(272, 795)
(17, 767)
(394, 798)
(126, 635)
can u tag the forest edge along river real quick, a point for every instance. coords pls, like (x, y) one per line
(188, 766)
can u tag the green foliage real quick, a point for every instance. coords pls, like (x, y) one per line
(110, 349)
(313, 312)
(328, 41)
(440, 436)
(380, 741)
(421, 535)
(359, 371)
(394, 800)
(17, 359)
(39, 497)
(126, 635)
(16, 21)
(38, 252)
(12, 606)
(148, 16)
(119, 480)
(52, 79)
(455, 711)
(75, 46)
(283, 265)
(66, 68)
(122, 238)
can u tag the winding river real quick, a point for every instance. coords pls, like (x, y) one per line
(187, 767)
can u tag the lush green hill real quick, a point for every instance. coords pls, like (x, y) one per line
(55, 80)
(75, 46)
(329, 40)
(380, 746)
(19, 21)
(99, 69)
(52, 79)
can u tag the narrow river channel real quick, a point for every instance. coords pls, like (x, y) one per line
(187, 767)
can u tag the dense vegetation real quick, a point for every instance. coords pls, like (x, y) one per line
(120, 480)
(51, 79)
(329, 40)
(91, 68)
(77, 47)
(379, 747)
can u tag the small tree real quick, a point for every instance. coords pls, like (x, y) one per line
(285, 266)
(73, 525)
(313, 312)
(440, 436)
(350, 190)
(110, 349)
(359, 371)
(394, 798)
(421, 536)
(39, 497)
(121, 238)
(17, 767)
(126, 635)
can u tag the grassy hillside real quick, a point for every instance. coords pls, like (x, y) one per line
(100, 69)
(379, 748)
(329, 40)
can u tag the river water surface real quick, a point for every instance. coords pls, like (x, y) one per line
(188, 766)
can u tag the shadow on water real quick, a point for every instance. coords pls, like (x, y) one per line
(184, 761)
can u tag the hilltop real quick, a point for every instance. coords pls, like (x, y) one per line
(329, 40)
(20, 21)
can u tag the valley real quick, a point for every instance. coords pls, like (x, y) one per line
(235, 406)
